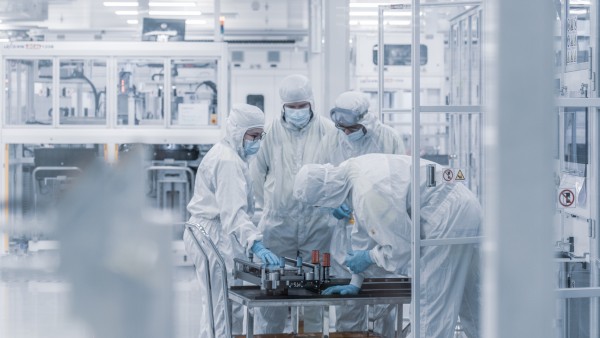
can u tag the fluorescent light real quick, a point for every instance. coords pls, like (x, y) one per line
(4, 40)
(398, 22)
(579, 2)
(578, 11)
(132, 22)
(195, 22)
(171, 4)
(367, 4)
(375, 22)
(365, 13)
(126, 12)
(179, 13)
(120, 4)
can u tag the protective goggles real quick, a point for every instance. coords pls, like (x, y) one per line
(345, 117)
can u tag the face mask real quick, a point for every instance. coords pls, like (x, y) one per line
(297, 117)
(357, 135)
(251, 147)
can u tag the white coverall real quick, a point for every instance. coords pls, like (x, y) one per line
(289, 226)
(223, 203)
(336, 148)
(378, 186)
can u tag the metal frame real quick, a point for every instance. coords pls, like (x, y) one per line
(110, 132)
(239, 295)
(205, 239)
(417, 109)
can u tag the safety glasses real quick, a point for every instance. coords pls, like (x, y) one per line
(254, 137)
(345, 117)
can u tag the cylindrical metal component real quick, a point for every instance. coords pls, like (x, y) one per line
(430, 175)
(282, 262)
(315, 257)
(326, 259)
(309, 276)
(325, 273)
(263, 279)
(274, 277)
(299, 261)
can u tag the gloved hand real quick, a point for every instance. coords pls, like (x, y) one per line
(358, 261)
(265, 255)
(343, 211)
(342, 290)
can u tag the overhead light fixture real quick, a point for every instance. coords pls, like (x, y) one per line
(366, 13)
(126, 12)
(132, 22)
(367, 4)
(579, 2)
(171, 4)
(120, 4)
(178, 13)
(375, 22)
(4, 40)
(580, 11)
(195, 22)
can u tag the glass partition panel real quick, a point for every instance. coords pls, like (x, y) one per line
(38, 176)
(170, 171)
(82, 91)
(194, 92)
(140, 92)
(28, 95)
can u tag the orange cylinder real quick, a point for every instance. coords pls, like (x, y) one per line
(315, 257)
(326, 259)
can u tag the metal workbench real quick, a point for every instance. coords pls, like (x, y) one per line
(373, 293)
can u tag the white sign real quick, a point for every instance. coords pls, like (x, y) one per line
(566, 197)
(193, 114)
(453, 175)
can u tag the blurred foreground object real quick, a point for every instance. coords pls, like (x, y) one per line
(115, 254)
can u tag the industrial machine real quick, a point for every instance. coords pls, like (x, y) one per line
(291, 273)
(295, 274)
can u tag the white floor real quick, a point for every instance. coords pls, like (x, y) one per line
(34, 300)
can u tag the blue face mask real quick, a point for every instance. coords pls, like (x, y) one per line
(297, 117)
(357, 135)
(251, 147)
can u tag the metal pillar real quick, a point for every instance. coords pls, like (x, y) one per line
(518, 201)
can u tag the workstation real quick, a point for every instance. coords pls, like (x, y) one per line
(235, 168)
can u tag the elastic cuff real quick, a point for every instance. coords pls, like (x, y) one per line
(372, 256)
(253, 238)
(357, 280)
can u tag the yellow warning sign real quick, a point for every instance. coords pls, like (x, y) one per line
(459, 176)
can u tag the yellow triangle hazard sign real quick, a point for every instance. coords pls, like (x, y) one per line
(460, 176)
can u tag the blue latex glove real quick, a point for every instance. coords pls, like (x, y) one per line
(265, 255)
(358, 261)
(342, 290)
(343, 211)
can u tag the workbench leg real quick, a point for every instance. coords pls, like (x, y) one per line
(249, 322)
(399, 315)
(326, 321)
(295, 319)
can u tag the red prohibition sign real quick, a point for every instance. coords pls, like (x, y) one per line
(566, 197)
(448, 175)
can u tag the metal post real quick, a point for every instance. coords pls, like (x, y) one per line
(519, 135)
(416, 163)
(380, 64)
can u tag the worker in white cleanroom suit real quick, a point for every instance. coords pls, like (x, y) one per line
(289, 226)
(377, 188)
(223, 203)
(359, 132)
